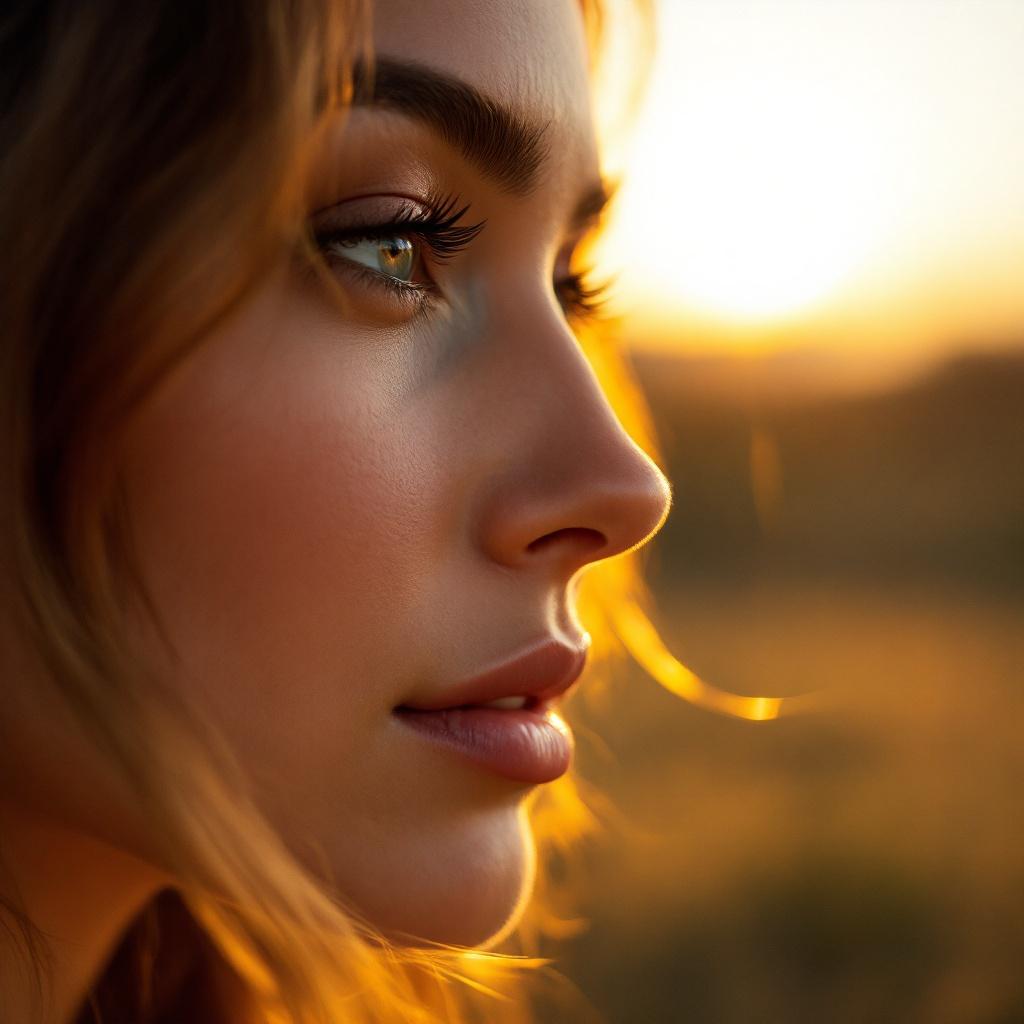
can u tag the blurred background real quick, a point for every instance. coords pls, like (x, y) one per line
(821, 245)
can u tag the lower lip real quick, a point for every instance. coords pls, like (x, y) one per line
(522, 745)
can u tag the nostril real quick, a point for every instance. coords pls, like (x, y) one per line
(584, 539)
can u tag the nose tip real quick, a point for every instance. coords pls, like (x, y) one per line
(623, 510)
(599, 502)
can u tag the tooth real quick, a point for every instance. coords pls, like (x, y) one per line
(505, 702)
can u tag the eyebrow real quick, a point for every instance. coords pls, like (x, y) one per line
(505, 145)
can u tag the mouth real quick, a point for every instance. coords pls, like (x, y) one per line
(505, 720)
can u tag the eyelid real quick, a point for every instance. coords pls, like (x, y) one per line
(571, 252)
(436, 222)
(393, 209)
(574, 271)
(386, 207)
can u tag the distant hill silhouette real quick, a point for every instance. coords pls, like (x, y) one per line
(926, 478)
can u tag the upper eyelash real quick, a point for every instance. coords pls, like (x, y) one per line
(438, 227)
(581, 301)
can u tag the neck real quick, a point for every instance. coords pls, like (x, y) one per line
(81, 894)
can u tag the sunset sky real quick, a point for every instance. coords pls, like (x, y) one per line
(844, 174)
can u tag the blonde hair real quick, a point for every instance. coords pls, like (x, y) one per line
(153, 161)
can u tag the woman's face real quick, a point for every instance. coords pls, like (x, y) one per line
(340, 511)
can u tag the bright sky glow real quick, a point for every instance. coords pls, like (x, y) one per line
(857, 165)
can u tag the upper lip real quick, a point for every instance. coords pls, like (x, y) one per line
(542, 673)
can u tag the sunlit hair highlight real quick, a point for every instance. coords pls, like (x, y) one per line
(154, 161)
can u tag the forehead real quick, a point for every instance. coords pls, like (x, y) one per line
(529, 55)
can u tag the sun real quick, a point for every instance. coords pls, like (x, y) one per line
(754, 189)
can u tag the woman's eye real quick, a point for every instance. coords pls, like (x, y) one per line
(393, 256)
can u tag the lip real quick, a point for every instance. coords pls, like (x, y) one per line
(532, 744)
(543, 673)
(517, 744)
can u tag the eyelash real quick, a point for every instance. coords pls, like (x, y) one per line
(439, 229)
(582, 303)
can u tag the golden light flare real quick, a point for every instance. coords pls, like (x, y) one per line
(801, 162)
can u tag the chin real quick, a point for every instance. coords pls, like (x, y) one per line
(467, 890)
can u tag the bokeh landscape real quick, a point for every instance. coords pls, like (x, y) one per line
(862, 863)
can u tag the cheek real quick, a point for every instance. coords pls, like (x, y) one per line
(286, 518)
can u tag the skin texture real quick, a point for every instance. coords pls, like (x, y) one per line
(339, 511)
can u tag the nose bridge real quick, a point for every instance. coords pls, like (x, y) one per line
(573, 486)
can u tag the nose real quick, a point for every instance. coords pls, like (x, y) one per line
(574, 487)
